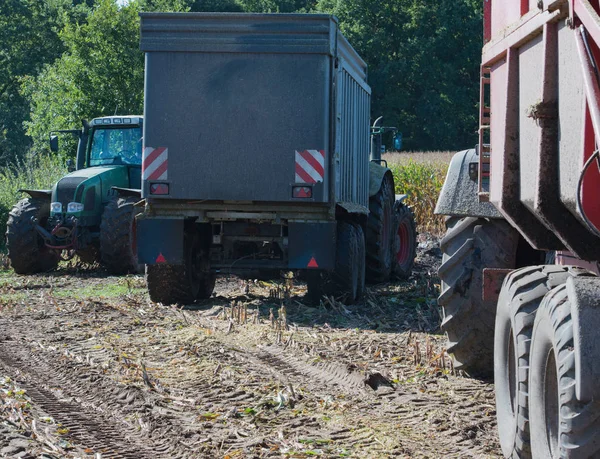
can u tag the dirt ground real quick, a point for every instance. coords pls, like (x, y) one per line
(90, 368)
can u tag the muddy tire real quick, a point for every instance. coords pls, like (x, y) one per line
(349, 261)
(26, 250)
(470, 245)
(561, 425)
(404, 246)
(118, 236)
(181, 284)
(520, 297)
(361, 261)
(380, 232)
(348, 276)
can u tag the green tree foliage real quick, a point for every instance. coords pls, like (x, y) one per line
(423, 58)
(100, 73)
(28, 40)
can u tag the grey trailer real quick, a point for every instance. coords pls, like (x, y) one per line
(256, 152)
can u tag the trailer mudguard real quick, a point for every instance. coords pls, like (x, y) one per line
(376, 174)
(160, 240)
(459, 195)
(311, 245)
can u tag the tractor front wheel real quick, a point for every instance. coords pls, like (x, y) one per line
(118, 236)
(404, 245)
(26, 249)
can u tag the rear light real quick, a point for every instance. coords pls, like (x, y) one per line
(159, 188)
(301, 192)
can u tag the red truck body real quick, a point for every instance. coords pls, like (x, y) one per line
(540, 121)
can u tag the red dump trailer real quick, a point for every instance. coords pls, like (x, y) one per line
(520, 287)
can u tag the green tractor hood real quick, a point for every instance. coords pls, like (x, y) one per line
(92, 188)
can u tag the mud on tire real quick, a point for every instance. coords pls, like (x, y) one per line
(379, 235)
(561, 425)
(520, 297)
(26, 249)
(118, 236)
(470, 245)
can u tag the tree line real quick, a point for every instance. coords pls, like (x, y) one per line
(62, 61)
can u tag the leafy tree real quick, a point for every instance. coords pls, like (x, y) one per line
(423, 58)
(100, 73)
(28, 40)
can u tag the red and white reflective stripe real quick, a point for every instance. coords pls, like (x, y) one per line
(310, 166)
(155, 163)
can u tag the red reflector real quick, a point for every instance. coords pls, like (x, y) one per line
(312, 263)
(302, 192)
(159, 188)
(160, 258)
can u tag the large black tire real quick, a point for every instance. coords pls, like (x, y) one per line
(181, 284)
(470, 245)
(561, 425)
(118, 236)
(26, 249)
(348, 276)
(380, 233)
(404, 246)
(520, 297)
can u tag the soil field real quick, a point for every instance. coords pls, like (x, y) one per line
(90, 368)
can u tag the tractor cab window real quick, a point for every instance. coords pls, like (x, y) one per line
(116, 146)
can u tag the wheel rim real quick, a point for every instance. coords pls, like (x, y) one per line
(403, 254)
(551, 403)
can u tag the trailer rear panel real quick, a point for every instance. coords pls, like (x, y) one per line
(245, 108)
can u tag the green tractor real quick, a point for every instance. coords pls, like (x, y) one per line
(89, 212)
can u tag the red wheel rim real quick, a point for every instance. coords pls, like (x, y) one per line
(404, 246)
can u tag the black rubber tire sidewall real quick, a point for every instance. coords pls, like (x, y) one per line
(379, 255)
(117, 236)
(404, 217)
(26, 250)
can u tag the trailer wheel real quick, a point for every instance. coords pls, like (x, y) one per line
(181, 284)
(361, 261)
(380, 229)
(349, 261)
(471, 244)
(348, 276)
(26, 249)
(404, 247)
(118, 236)
(561, 425)
(520, 297)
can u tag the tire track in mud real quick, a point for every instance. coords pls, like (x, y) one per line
(79, 406)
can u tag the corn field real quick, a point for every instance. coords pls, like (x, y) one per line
(421, 175)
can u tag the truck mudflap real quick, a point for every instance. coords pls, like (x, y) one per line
(311, 245)
(160, 240)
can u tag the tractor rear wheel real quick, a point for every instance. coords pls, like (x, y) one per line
(380, 232)
(118, 236)
(26, 249)
(404, 246)
(182, 284)
(470, 245)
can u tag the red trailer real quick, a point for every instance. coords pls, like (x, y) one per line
(520, 284)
